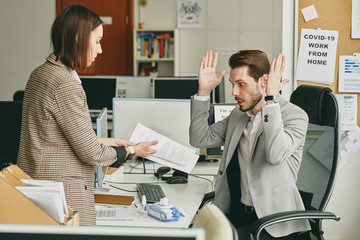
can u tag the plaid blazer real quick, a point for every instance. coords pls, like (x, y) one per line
(57, 140)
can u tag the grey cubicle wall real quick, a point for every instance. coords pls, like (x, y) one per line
(169, 117)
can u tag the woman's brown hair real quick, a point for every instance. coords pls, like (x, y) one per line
(70, 35)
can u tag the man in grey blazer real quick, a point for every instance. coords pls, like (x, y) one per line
(263, 142)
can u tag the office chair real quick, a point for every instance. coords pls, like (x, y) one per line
(18, 95)
(10, 125)
(215, 223)
(316, 177)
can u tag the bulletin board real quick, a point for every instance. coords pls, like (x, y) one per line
(333, 15)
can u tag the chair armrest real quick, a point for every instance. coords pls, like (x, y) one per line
(259, 225)
(208, 198)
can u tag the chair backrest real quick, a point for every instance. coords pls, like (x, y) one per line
(316, 178)
(10, 126)
(19, 95)
(215, 223)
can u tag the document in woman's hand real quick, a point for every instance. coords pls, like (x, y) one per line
(169, 152)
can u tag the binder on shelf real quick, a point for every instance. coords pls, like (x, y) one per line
(15, 207)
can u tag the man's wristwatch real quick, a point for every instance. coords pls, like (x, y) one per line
(132, 152)
(274, 98)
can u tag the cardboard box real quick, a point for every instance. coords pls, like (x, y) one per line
(15, 207)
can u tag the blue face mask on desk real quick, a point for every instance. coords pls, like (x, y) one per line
(165, 212)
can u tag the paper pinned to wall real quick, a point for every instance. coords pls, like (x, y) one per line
(317, 56)
(348, 111)
(349, 73)
(355, 19)
(309, 13)
(189, 13)
(349, 144)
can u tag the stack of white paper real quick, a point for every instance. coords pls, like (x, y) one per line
(116, 213)
(48, 195)
(169, 152)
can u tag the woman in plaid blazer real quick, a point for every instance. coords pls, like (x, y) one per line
(58, 142)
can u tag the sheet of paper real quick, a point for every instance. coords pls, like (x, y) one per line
(47, 198)
(348, 111)
(355, 19)
(222, 111)
(45, 183)
(317, 56)
(169, 152)
(349, 73)
(189, 13)
(309, 13)
(349, 144)
(116, 213)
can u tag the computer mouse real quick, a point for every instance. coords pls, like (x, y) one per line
(177, 180)
(161, 171)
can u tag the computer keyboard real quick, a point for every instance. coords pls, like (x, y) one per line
(153, 192)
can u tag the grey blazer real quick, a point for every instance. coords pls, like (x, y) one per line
(275, 158)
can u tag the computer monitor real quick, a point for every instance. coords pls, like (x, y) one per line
(101, 132)
(10, 125)
(45, 232)
(99, 91)
(217, 113)
(183, 88)
(133, 87)
(169, 117)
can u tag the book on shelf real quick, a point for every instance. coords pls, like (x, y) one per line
(148, 69)
(154, 45)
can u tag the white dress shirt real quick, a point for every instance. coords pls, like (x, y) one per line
(75, 75)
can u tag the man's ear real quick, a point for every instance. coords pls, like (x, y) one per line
(263, 80)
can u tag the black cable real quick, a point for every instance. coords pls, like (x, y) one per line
(197, 176)
(143, 160)
(122, 189)
(132, 167)
(137, 164)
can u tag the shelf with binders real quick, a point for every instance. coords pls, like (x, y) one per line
(155, 51)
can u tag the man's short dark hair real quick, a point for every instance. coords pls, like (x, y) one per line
(256, 60)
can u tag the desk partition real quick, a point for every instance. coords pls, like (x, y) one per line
(169, 117)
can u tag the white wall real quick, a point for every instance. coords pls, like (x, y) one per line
(227, 26)
(345, 202)
(25, 41)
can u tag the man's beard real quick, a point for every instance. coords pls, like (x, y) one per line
(254, 101)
